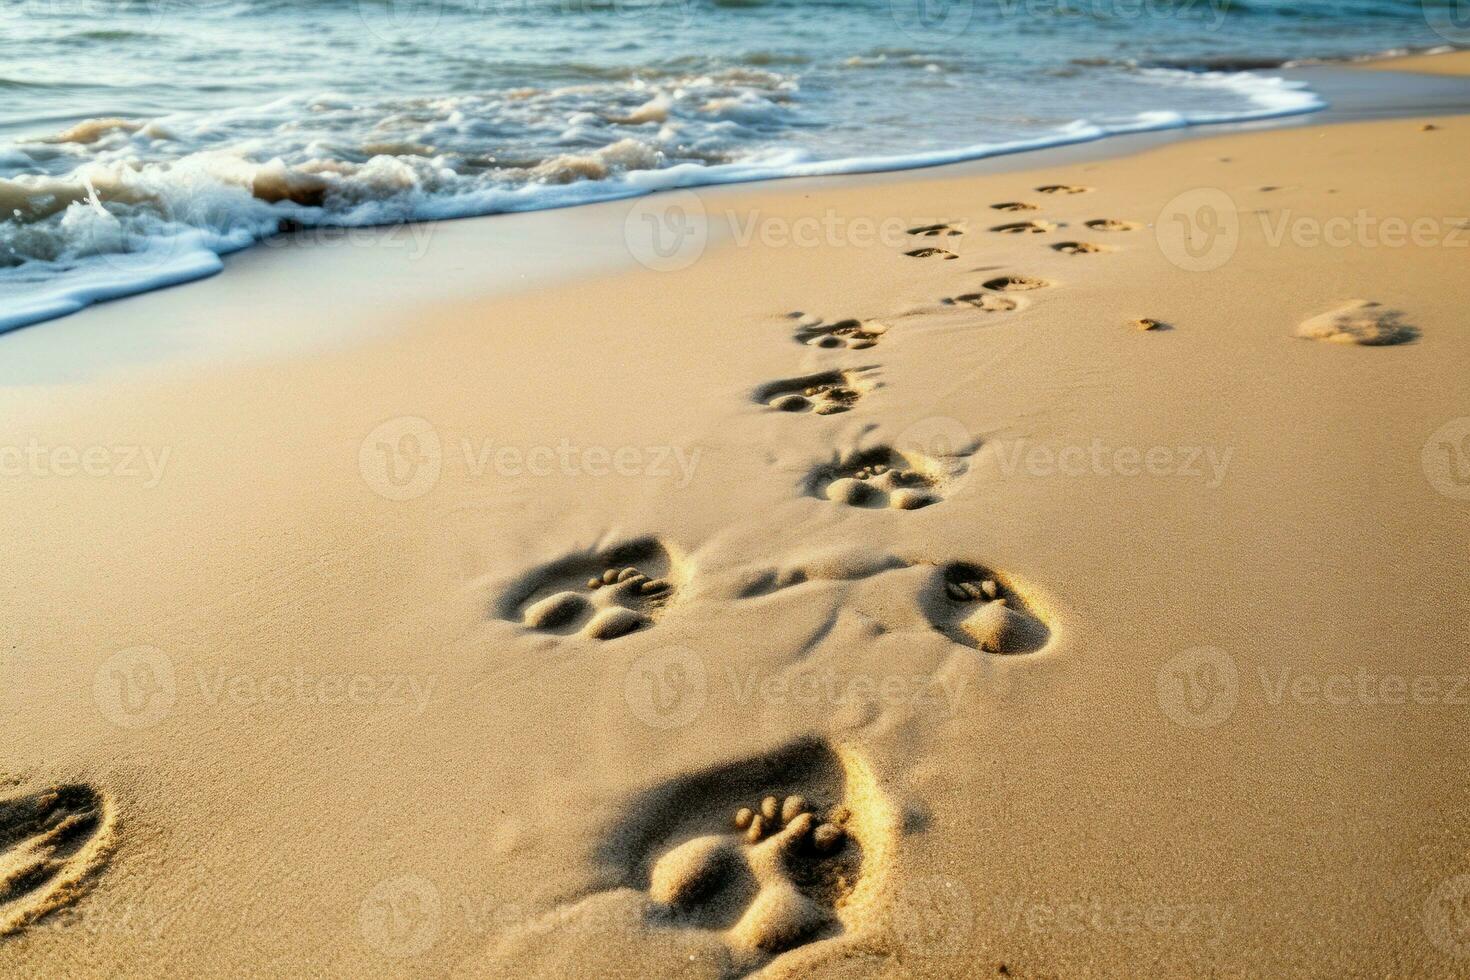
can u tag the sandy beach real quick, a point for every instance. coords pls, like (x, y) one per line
(1049, 572)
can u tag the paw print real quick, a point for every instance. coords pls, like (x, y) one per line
(981, 610)
(627, 589)
(828, 393)
(852, 334)
(773, 883)
(886, 477)
(602, 595)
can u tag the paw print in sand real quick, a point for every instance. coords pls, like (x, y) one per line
(881, 483)
(886, 477)
(603, 595)
(935, 231)
(931, 253)
(983, 610)
(852, 334)
(627, 587)
(775, 882)
(828, 393)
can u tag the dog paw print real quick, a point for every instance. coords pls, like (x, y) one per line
(1015, 284)
(780, 874)
(1079, 248)
(980, 609)
(990, 299)
(935, 231)
(1037, 227)
(851, 334)
(603, 595)
(984, 302)
(828, 393)
(884, 477)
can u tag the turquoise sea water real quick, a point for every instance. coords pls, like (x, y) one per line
(139, 139)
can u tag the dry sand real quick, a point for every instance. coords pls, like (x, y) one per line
(1111, 652)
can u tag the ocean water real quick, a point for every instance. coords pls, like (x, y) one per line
(142, 139)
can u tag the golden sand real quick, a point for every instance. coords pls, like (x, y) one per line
(478, 646)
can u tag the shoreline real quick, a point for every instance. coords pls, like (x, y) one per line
(1428, 90)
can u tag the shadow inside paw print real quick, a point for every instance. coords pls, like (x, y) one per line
(982, 609)
(602, 594)
(852, 334)
(771, 883)
(769, 852)
(886, 477)
(827, 393)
